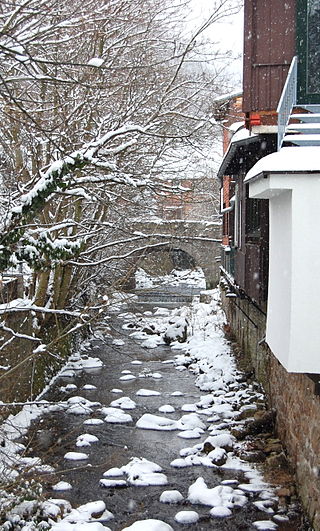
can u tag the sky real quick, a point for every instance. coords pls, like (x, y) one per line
(228, 34)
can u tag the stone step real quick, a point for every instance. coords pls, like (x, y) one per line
(306, 117)
(310, 108)
(303, 140)
(308, 128)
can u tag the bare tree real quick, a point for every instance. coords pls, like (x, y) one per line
(93, 98)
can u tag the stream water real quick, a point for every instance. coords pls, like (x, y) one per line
(56, 433)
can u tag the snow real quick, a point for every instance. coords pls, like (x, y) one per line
(86, 440)
(83, 518)
(93, 422)
(118, 342)
(85, 364)
(222, 441)
(127, 377)
(192, 277)
(191, 421)
(241, 134)
(288, 159)
(76, 456)
(180, 463)
(112, 483)
(187, 517)
(11, 430)
(124, 403)
(280, 518)
(113, 472)
(149, 525)
(235, 126)
(218, 496)
(220, 512)
(265, 525)
(166, 408)
(89, 387)
(68, 388)
(62, 485)
(115, 415)
(171, 496)
(206, 353)
(191, 434)
(154, 422)
(78, 405)
(176, 328)
(263, 505)
(140, 472)
(189, 407)
(152, 342)
(142, 279)
(91, 526)
(252, 487)
(217, 454)
(147, 392)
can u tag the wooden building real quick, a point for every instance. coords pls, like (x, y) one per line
(270, 43)
(270, 182)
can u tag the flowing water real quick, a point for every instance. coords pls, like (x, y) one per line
(55, 434)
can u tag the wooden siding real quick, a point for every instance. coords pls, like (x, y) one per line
(251, 256)
(269, 45)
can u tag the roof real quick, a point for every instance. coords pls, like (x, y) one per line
(287, 160)
(233, 160)
(229, 96)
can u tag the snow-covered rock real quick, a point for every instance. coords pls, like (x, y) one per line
(76, 456)
(187, 517)
(171, 496)
(124, 403)
(86, 439)
(149, 525)
(154, 422)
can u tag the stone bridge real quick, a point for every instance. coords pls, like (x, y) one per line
(181, 244)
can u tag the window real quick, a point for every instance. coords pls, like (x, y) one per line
(253, 217)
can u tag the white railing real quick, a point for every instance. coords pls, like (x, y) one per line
(287, 100)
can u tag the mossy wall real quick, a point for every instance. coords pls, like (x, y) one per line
(24, 374)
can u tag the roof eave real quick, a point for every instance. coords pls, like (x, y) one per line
(232, 151)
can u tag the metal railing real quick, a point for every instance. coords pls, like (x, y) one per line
(287, 100)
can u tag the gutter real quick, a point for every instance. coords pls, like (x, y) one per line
(232, 151)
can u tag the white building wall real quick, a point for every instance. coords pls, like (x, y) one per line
(280, 271)
(305, 326)
(293, 315)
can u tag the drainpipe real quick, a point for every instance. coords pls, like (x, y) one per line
(231, 207)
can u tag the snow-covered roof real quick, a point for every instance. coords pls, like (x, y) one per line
(228, 96)
(236, 125)
(288, 159)
(241, 134)
(240, 139)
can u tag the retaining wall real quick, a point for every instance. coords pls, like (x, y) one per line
(24, 374)
(293, 396)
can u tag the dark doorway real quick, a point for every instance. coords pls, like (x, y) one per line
(308, 49)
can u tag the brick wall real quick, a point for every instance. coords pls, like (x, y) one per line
(293, 396)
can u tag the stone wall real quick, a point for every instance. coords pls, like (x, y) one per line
(23, 373)
(201, 240)
(293, 396)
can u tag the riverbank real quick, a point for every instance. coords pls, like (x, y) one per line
(178, 417)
